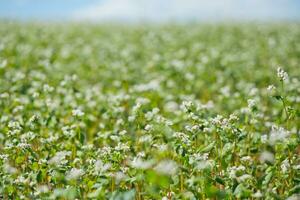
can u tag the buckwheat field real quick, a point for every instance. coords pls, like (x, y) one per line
(149, 112)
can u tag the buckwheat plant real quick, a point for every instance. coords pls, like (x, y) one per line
(149, 111)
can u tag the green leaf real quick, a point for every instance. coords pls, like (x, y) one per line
(208, 147)
(295, 190)
(95, 193)
(39, 176)
(20, 159)
(220, 180)
(35, 166)
(81, 137)
(242, 192)
(157, 179)
(268, 178)
(128, 195)
(278, 97)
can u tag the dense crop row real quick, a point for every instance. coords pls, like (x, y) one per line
(149, 112)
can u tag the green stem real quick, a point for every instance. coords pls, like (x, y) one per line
(283, 101)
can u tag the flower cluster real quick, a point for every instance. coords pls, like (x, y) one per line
(149, 112)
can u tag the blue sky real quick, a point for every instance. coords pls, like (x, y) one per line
(150, 10)
(41, 9)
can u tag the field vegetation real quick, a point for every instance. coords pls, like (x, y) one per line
(171, 111)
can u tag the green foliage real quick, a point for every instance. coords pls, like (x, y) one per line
(149, 111)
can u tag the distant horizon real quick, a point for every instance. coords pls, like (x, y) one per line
(150, 11)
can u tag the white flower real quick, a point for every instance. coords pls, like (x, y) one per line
(244, 177)
(204, 164)
(35, 95)
(3, 64)
(264, 138)
(119, 176)
(123, 132)
(140, 164)
(253, 91)
(142, 101)
(14, 125)
(155, 110)
(251, 103)
(282, 75)
(285, 165)
(100, 167)
(68, 131)
(294, 197)
(47, 88)
(77, 113)
(234, 169)
(4, 157)
(278, 134)
(9, 169)
(167, 167)
(186, 105)
(233, 117)
(120, 122)
(131, 118)
(145, 139)
(151, 114)
(21, 179)
(114, 138)
(152, 85)
(23, 145)
(33, 119)
(136, 107)
(74, 174)
(296, 167)
(195, 128)
(148, 127)
(257, 194)
(246, 159)
(42, 188)
(266, 156)
(225, 91)
(141, 154)
(59, 157)
(171, 106)
(4, 95)
(271, 88)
